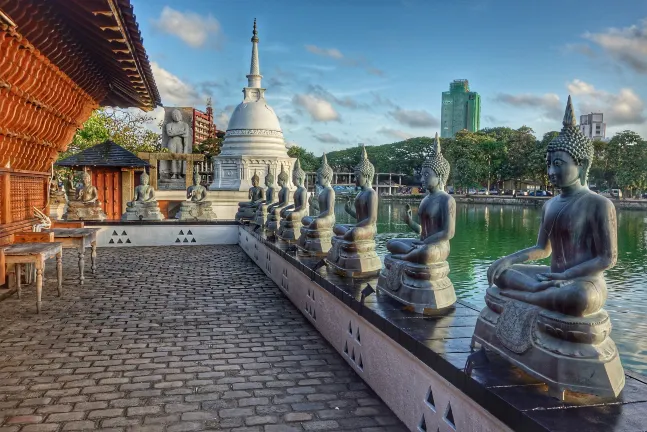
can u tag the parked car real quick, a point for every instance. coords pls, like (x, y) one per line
(522, 193)
(471, 192)
(482, 191)
(494, 192)
(616, 193)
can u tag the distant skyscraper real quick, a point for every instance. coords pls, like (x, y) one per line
(461, 109)
(593, 126)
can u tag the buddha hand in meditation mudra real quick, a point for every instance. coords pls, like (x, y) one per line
(274, 210)
(247, 209)
(270, 196)
(353, 246)
(415, 273)
(84, 205)
(316, 232)
(548, 320)
(290, 225)
(144, 206)
(197, 208)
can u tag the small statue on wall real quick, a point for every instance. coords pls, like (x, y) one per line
(144, 206)
(290, 225)
(178, 133)
(85, 204)
(197, 207)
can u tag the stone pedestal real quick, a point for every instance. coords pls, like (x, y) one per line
(80, 211)
(315, 243)
(261, 215)
(565, 352)
(246, 214)
(354, 259)
(290, 230)
(57, 210)
(140, 210)
(420, 286)
(196, 211)
(273, 222)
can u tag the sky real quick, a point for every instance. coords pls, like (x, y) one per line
(343, 72)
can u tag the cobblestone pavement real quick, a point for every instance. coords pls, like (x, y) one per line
(173, 339)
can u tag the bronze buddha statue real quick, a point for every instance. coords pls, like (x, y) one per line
(274, 210)
(291, 215)
(415, 273)
(353, 247)
(316, 232)
(247, 209)
(548, 320)
(270, 196)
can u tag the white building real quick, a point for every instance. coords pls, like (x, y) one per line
(593, 126)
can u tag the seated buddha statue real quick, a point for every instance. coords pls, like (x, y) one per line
(247, 209)
(415, 273)
(274, 210)
(196, 207)
(270, 196)
(291, 215)
(549, 320)
(353, 247)
(85, 204)
(144, 205)
(316, 232)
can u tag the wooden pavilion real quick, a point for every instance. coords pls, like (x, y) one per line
(112, 170)
(59, 60)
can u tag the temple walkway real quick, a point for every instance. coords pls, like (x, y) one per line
(173, 339)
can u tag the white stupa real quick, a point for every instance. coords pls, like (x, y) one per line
(254, 140)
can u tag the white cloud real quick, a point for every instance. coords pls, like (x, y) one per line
(173, 90)
(628, 45)
(623, 108)
(394, 133)
(414, 118)
(319, 109)
(326, 52)
(549, 103)
(194, 29)
(329, 138)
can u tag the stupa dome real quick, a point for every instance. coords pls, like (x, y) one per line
(254, 115)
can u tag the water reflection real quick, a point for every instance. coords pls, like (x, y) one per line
(485, 233)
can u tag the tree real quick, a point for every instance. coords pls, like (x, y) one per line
(125, 127)
(627, 153)
(309, 162)
(210, 147)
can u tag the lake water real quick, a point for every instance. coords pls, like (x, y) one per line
(485, 233)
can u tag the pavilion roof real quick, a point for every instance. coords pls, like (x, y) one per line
(106, 154)
(97, 43)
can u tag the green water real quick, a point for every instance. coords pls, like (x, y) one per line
(485, 233)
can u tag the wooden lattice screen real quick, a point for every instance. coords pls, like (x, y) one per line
(27, 192)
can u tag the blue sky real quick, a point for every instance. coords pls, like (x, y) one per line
(341, 72)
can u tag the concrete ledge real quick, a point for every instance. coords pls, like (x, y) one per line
(415, 363)
(127, 234)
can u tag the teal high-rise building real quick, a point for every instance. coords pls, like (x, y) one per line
(461, 109)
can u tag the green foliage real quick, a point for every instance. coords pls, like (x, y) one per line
(209, 147)
(124, 127)
(309, 162)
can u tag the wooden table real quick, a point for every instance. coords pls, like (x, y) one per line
(35, 253)
(79, 239)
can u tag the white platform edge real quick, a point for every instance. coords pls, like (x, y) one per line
(401, 380)
(126, 235)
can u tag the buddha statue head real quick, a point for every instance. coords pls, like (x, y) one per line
(255, 179)
(269, 178)
(298, 174)
(435, 169)
(569, 155)
(364, 171)
(283, 177)
(325, 173)
(86, 179)
(176, 115)
(196, 178)
(144, 179)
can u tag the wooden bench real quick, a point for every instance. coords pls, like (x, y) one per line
(33, 248)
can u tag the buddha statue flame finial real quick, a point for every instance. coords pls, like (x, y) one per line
(325, 170)
(572, 141)
(255, 178)
(437, 161)
(269, 178)
(365, 166)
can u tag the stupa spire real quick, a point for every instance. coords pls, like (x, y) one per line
(254, 77)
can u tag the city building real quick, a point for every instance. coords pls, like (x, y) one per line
(461, 109)
(592, 125)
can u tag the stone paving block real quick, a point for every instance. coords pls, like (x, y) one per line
(174, 339)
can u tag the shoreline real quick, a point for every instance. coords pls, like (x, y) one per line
(527, 201)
